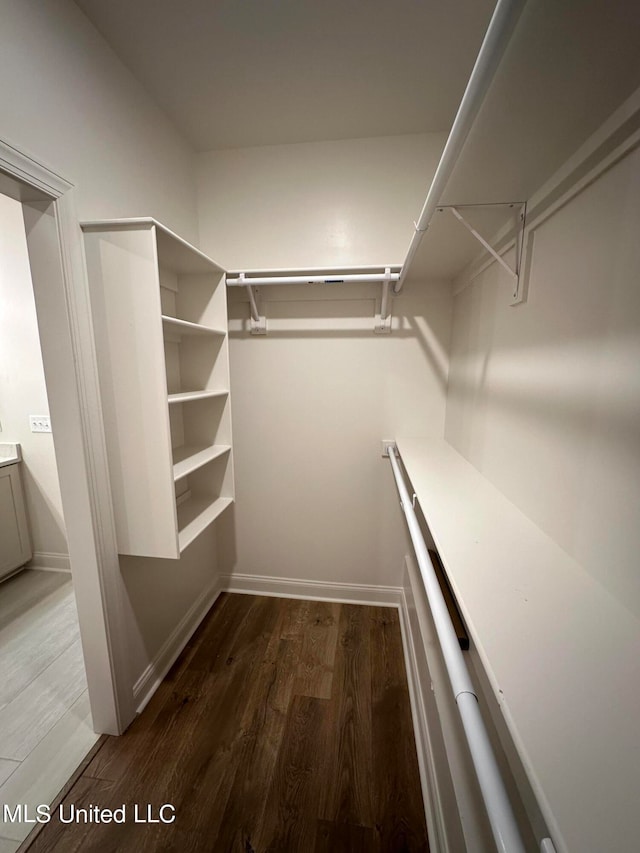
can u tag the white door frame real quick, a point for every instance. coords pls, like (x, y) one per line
(61, 291)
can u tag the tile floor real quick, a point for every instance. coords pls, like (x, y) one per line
(45, 721)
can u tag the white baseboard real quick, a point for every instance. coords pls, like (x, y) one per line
(345, 593)
(49, 561)
(149, 681)
(434, 812)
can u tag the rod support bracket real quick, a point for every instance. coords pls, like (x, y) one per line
(259, 326)
(257, 321)
(520, 289)
(382, 320)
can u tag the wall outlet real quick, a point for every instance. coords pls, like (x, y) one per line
(386, 444)
(40, 423)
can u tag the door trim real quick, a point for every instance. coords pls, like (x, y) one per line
(61, 291)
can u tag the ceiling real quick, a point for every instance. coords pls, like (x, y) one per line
(236, 73)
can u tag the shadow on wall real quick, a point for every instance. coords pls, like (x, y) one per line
(293, 313)
(227, 547)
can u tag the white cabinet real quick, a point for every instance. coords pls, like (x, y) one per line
(15, 545)
(160, 319)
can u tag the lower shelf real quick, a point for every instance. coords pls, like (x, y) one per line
(189, 396)
(195, 514)
(187, 459)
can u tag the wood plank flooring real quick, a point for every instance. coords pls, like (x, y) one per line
(45, 721)
(284, 726)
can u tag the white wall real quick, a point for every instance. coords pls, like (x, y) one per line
(315, 204)
(544, 398)
(22, 386)
(69, 101)
(312, 401)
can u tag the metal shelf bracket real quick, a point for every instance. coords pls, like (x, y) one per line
(382, 321)
(520, 214)
(258, 321)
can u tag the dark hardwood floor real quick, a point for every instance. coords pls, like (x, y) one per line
(284, 726)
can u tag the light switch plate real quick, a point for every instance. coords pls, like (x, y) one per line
(40, 423)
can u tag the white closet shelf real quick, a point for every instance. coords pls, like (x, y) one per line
(176, 254)
(187, 459)
(142, 273)
(562, 655)
(174, 326)
(505, 157)
(195, 515)
(188, 396)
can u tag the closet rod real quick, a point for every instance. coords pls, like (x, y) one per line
(312, 279)
(503, 22)
(503, 824)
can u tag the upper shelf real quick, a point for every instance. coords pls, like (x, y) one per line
(174, 253)
(567, 68)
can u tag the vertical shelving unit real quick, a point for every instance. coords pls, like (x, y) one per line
(160, 320)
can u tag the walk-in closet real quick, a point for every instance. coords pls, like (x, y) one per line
(339, 313)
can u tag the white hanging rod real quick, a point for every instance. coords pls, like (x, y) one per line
(346, 268)
(503, 824)
(337, 278)
(503, 22)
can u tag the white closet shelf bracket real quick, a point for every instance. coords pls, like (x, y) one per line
(382, 322)
(503, 22)
(258, 321)
(520, 222)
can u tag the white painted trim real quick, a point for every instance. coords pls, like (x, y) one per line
(26, 168)
(613, 140)
(67, 340)
(49, 561)
(434, 812)
(344, 593)
(108, 592)
(153, 675)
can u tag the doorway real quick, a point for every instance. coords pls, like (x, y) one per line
(45, 719)
(78, 513)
